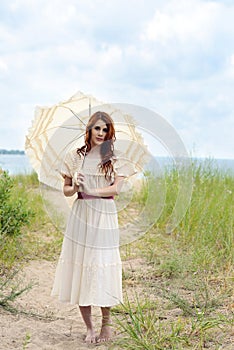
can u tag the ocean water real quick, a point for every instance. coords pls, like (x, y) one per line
(15, 164)
(19, 164)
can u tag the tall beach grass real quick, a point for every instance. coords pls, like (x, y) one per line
(188, 274)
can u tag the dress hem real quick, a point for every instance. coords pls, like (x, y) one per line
(87, 304)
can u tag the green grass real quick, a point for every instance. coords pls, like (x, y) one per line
(187, 275)
(11, 287)
(39, 239)
(206, 231)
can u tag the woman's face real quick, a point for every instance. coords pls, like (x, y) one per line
(98, 133)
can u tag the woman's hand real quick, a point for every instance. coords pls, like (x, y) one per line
(111, 190)
(79, 179)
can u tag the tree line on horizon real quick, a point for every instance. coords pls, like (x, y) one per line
(11, 151)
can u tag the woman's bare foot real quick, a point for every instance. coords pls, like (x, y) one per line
(105, 334)
(90, 337)
(87, 317)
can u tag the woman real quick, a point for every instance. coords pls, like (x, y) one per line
(89, 271)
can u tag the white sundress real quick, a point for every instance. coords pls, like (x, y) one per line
(89, 270)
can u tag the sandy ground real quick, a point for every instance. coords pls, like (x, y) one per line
(65, 331)
(61, 327)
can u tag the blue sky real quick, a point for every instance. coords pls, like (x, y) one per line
(173, 57)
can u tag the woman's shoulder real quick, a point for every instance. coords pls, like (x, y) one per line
(75, 154)
(116, 155)
(119, 157)
(122, 164)
(73, 158)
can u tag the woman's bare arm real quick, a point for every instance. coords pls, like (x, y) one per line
(107, 191)
(69, 188)
(112, 190)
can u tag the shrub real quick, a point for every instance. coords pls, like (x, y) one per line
(14, 213)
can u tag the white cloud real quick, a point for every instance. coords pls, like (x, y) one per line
(186, 22)
(173, 57)
(3, 65)
(232, 60)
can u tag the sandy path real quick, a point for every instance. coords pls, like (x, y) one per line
(64, 332)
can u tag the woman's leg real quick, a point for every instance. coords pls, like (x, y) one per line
(87, 317)
(105, 333)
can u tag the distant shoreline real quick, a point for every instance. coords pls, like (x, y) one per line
(12, 151)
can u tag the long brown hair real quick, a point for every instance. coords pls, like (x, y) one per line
(107, 147)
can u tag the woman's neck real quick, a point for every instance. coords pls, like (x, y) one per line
(94, 151)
